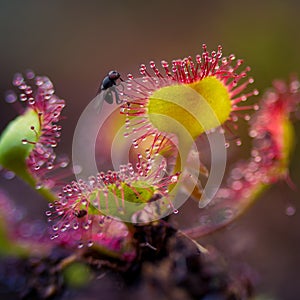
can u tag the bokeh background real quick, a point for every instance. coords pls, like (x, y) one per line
(76, 43)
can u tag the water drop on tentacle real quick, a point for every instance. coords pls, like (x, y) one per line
(290, 211)
(10, 97)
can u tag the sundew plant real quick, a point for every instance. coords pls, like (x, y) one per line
(178, 121)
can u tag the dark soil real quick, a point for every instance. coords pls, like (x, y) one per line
(168, 266)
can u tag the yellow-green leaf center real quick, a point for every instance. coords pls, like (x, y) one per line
(195, 107)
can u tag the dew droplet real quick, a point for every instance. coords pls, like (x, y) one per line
(28, 90)
(235, 118)
(247, 117)
(8, 175)
(29, 74)
(38, 186)
(86, 226)
(63, 229)
(23, 97)
(10, 97)
(257, 158)
(31, 101)
(135, 144)
(290, 210)
(238, 142)
(174, 178)
(54, 236)
(237, 185)
(253, 133)
(67, 224)
(48, 213)
(50, 166)
(18, 79)
(64, 164)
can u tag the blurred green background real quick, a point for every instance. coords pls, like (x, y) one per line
(76, 43)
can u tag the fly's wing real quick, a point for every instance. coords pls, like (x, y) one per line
(114, 94)
(110, 96)
(99, 100)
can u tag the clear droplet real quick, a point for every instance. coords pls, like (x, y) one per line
(18, 79)
(29, 74)
(54, 236)
(247, 117)
(174, 178)
(38, 186)
(86, 226)
(238, 142)
(8, 175)
(290, 210)
(64, 163)
(50, 166)
(10, 97)
(253, 133)
(23, 97)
